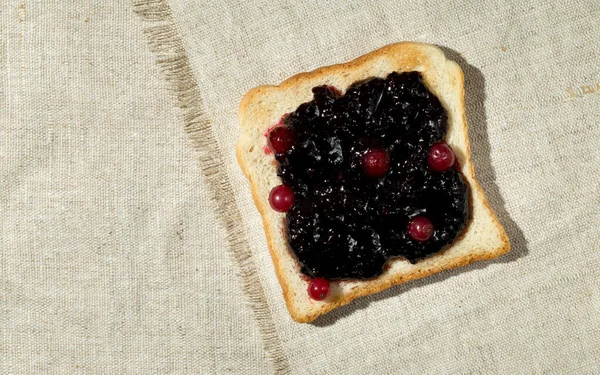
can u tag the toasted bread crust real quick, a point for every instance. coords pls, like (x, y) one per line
(410, 55)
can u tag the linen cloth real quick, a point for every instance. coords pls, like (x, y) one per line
(117, 256)
(111, 261)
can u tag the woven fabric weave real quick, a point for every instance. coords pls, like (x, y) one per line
(130, 242)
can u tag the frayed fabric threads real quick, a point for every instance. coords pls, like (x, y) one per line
(165, 42)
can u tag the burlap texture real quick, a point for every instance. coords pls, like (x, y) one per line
(118, 255)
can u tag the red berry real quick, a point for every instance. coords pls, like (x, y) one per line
(440, 157)
(281, 198)
(281, 139)
(376, 162)
(318, 289)
(420, 228)
(334, 90)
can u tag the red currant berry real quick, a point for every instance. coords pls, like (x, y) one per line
(440, 157)
(420, 228)
(376, 162)
(281, 198)
(318, 289)
(281, 139)
(334, 90)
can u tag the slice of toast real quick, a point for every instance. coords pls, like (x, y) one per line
(262, 108)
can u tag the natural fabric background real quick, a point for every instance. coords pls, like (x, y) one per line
(114, 258)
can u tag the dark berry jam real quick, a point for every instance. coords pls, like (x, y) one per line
(346, 223)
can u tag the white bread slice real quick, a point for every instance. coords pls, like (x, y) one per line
(262, 107)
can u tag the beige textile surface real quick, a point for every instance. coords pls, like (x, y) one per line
(115, 259)
(111, 259)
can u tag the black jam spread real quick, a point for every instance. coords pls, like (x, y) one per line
(345, 224)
